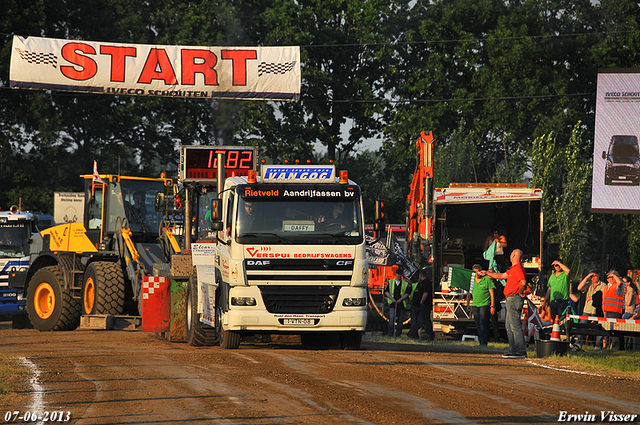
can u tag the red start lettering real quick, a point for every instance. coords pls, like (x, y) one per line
(88, 66)
(239, 64)
(157, 66)
(118, 58)
(196, 61)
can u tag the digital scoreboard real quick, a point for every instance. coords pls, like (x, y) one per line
(200, 163)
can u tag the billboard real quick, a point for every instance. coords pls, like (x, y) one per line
(252, 73)
(616, 156)
(68, 207)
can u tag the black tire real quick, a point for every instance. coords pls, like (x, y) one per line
(351, 340)
(229, 340)
(198, 333)
(51, 308)
(319, 339)
(103, 289)
(21, 322)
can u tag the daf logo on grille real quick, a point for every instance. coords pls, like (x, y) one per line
(258, 262)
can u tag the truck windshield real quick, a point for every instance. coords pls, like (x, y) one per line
(624, 153)
(318, 215)
(14, 239)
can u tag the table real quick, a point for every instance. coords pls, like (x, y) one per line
(449, 298)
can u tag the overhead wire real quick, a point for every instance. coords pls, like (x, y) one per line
(457, 40)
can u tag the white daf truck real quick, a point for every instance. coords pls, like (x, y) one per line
(287, 257)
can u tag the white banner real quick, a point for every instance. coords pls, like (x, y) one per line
(616, 157)
(252, 73)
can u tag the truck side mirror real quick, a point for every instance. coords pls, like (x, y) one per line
(160, 202)
(378, 216)
(216, 214)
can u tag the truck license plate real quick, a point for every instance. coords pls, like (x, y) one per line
(297, 322)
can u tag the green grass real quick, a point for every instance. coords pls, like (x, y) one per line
(443, 345)
(606, 362)
(10, 375)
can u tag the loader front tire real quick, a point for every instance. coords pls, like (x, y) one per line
(49, 306)
(103, 289)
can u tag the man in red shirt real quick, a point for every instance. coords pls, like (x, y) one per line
(514, 292)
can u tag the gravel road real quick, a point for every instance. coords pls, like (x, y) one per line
(131, 377)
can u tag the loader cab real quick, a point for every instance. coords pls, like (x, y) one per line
(123, 202)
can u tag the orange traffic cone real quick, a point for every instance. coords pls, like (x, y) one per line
(555, 332)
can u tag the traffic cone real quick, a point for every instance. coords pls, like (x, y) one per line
(555, 332)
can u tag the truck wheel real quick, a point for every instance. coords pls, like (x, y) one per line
(350, 340)
(103, 289)
(198, 333)
(319, 339)
(228, 339)
(21, 322)
(51, 308)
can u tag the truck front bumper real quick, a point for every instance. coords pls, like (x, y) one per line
(11, 303)
(257, 318)
(261, 320)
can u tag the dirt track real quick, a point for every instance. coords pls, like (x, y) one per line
(116, 377)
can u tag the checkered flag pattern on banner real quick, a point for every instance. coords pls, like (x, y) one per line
(38, 58)
(275, 68)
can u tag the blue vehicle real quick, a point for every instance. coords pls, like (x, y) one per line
(16, 230)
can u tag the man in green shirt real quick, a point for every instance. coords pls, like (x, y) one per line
(483, 303)
(558, 289)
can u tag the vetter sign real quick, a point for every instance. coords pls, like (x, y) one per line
(253, 73)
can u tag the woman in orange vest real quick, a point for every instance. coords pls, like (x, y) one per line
(613, 301)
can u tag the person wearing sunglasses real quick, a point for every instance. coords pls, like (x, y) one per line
(558, 290)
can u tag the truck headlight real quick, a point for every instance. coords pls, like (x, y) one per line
(354, 302)
(243, 301)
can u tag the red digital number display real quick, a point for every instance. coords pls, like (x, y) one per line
(202, 163)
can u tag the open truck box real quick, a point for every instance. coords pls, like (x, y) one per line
(464, 217)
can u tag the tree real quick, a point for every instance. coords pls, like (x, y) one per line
(564, 175)
(343, 65)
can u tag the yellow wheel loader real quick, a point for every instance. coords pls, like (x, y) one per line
(96, 267)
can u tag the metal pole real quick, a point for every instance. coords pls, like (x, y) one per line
(220, 176)
(187, 219)
(220, 185)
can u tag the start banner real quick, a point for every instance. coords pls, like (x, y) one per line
(252, 73)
